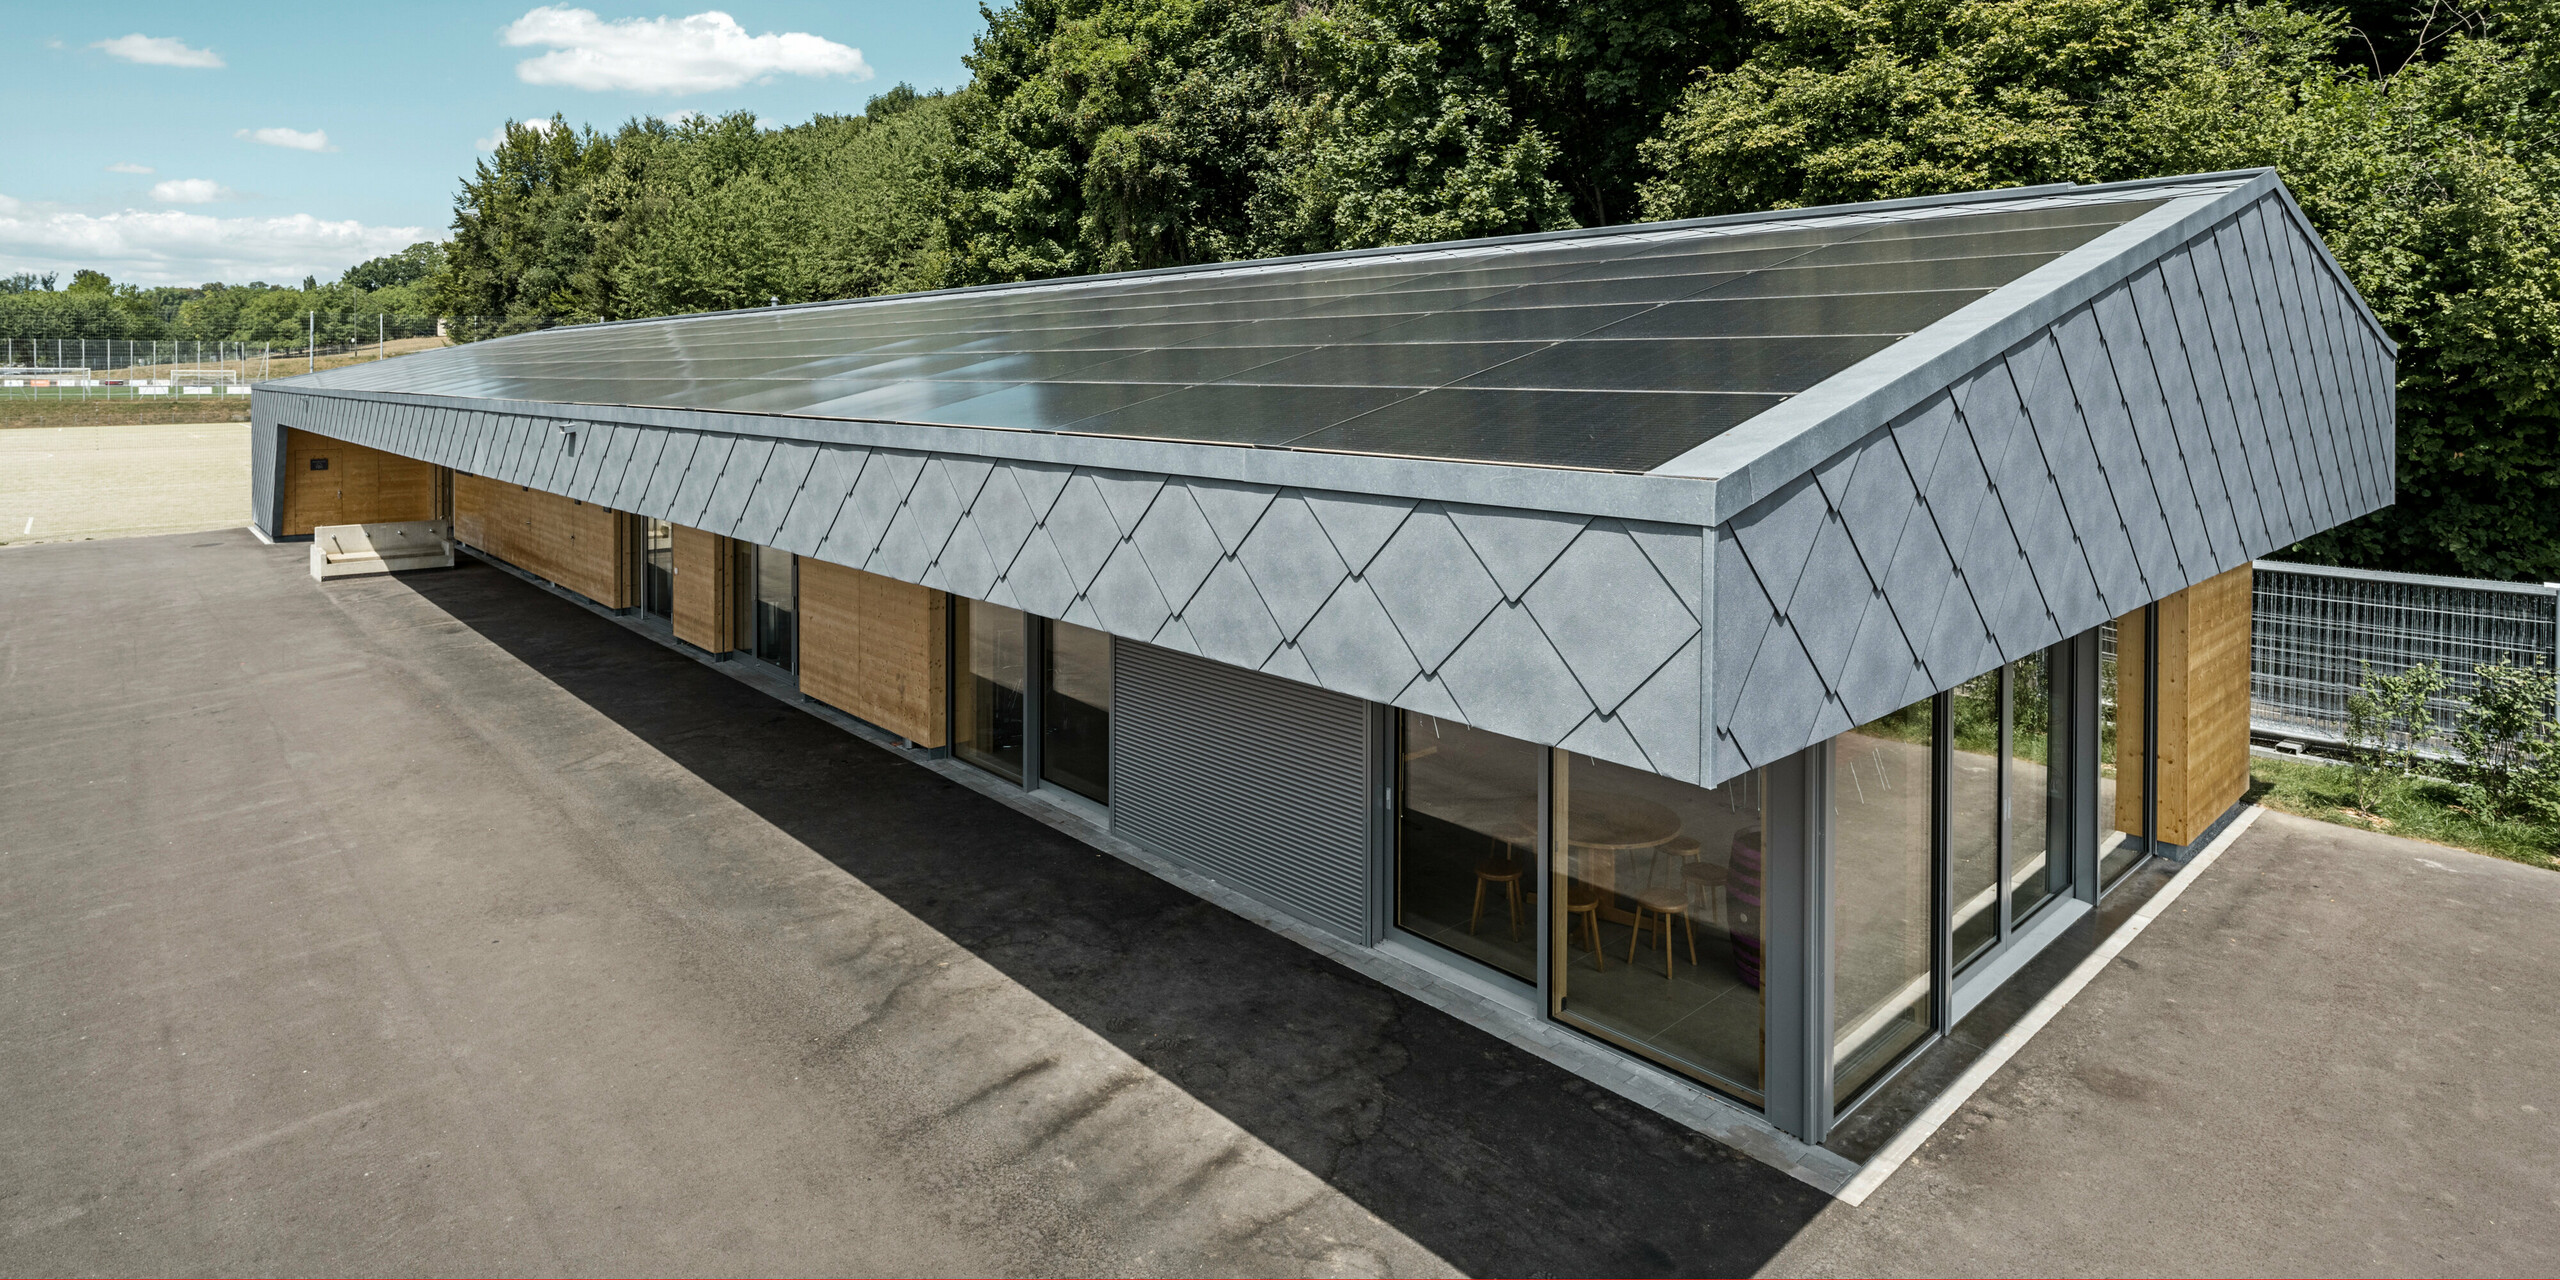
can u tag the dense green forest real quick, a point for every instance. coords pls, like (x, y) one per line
(395, 293)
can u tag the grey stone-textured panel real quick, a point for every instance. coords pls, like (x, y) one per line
(1289, 664)
(1606, 738)
(1127, 493)
(648, 453)
(776, 490)
(1228, 619)
(864, 519)
(1081, 526)
(2328, 417)
(735, 490)
(701, 476)
(1179, 546)
(1662, 714)
(2281, 351)
(2075, 552)
(2263, 430)
(1432, 585)
(1231, 507)
(2296, 471)
(2168, 367)
(1040, 582)
(1354, 647)
(964, 567)
(1511, 680)
(1431, 698)
(1291, 563)
(1002, 515)
(1678, 553)
(2204, 328)
(1124, 595)
(2162, 454)
(1514, 546)
(1358, 523)
(1608, 614)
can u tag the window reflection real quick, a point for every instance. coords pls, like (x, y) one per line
(2037, 869)
(776, 606)
(1973, 827)
(2123, 671)
(1466, 837)
(1656, 917)
(986, 713)
(1075, 711)
(658, 569)
(1882, 977)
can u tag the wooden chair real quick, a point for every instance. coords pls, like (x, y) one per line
(1504, 870)
(1583, 902)
(1660, 906)
(1709, 879)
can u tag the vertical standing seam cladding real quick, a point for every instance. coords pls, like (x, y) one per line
(1261, 783)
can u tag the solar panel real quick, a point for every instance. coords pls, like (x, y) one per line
(1611, 351)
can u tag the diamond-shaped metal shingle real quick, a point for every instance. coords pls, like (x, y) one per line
(1179, 546)
(1080, 524)
(1515, 546)
(1511, 680)
(1127, 493)
(1291, 563)
(1124, 596)
(813, 510)
(1609, 614)
(1432, 585)
(1231, 507)
(1358, 523)
(1228, 619)
(1356, 649)
(1039, 578)
(1662, 714)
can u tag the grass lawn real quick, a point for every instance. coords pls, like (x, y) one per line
(2420, 808)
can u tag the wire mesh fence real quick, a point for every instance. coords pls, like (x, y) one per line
(49, 368)
(2316, 630)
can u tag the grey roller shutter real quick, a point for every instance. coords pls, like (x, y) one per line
(1261, 783)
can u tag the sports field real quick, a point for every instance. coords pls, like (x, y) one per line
(64, 484)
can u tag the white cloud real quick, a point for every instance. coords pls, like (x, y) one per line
(679, 119)
(127, 166)
(316, 140)
(173, 246)
(189, 191)
(158, 51)
(696, 54)
(499, 134)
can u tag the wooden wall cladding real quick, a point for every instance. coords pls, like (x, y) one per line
(706, 564)
(876, 648)
(359, 486)
(2204, 707)
(586, 548)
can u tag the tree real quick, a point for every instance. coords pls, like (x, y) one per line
(1110, 135)
(87, 281)
(519, 231)
(1439, 119)
(415, 263)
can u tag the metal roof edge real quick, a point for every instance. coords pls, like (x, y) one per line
(1752, 460)
(1622, 494)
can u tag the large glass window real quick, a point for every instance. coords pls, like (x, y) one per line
(1655, 917)
(1466, 841)
(1075, 710)
(2038, 867)
(2124, 815)
(986, 713)
(1973, 815)
(1881, 918)
(658, 568)
(777, 605)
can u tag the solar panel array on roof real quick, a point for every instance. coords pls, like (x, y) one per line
(1606, 352)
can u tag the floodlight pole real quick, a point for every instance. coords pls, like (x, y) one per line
(311, 343)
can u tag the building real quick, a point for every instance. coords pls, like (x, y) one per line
(1744, 642)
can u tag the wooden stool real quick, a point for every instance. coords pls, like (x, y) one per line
(1662, 905)
(1503, 871)
(1581, 900)
(1710, 879)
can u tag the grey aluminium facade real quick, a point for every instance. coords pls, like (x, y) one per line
(1733, 603)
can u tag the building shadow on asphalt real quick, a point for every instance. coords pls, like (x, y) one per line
(1490, 1157)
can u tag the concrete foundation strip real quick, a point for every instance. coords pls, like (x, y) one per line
(1887, 1161)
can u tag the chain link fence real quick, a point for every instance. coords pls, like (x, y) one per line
(2315, 631)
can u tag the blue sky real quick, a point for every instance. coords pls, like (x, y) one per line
(174, 144)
